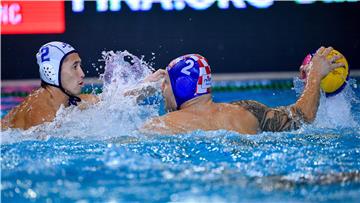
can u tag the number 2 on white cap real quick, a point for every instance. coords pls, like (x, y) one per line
(185, 70)
(44, 54)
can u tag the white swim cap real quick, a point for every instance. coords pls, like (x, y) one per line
(50, 58)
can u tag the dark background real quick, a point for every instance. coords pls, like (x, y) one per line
(246, 40)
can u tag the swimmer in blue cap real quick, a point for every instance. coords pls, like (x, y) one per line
(187, 92)
(62, 78)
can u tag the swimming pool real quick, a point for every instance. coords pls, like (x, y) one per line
(100, 159)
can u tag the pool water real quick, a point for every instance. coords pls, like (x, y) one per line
(98, 157)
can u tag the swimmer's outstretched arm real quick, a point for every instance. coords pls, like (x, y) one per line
(146, 90)
(141, 92)
(305, 108)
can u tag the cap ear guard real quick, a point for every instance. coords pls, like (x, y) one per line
(49, 74)
(185, 89)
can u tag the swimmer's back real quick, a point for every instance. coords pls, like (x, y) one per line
(217, 116)
(34, 110)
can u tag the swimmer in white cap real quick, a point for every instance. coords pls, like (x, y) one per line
(187, 92)
(62, 78)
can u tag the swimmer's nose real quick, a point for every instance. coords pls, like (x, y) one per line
(82, 74)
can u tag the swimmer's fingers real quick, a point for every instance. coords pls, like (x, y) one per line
(159, 73)
(335, 58)
(320, 50)
(327, 51)
(336, 65)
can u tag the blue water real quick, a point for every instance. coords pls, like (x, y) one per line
(312, 164)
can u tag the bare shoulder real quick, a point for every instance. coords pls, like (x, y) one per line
(34, 110)
(256, 108)
(272, 119)
(39, 112)
(89, 98)
(239, 117)
(8, 120)
(171, 123)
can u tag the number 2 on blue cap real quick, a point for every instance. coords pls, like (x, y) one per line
(185, 70)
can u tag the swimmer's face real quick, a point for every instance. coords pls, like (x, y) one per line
(170, 103)
(72, 75)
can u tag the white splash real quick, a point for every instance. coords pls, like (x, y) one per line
(334, 111)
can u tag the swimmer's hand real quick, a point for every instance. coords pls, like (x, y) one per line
(306, 106)
(321, 65)
(145, 90)
(156, 76)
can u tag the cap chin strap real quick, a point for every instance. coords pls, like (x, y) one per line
(73, 100)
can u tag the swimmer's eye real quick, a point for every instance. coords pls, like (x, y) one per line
(75, 66)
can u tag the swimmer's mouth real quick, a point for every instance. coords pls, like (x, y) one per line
(81, 83)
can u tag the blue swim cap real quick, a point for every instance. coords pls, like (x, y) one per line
(190, 77)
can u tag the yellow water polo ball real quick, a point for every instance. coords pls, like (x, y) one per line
(336, 80)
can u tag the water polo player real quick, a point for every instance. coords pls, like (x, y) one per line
(61, 82)
(187, 92)
(62, 78)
